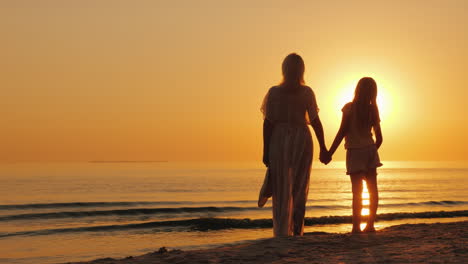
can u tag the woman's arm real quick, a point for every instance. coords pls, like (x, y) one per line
(340, 134)
(267, 131)
(318, 129)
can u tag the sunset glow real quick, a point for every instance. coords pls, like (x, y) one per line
(212, 131)
(388, 106)
(128, 81)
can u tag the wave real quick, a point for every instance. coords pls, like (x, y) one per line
(140, 203)
(81, 205)
(121, 204)
(208, 224)
(125, 212)
(145, 211)
(444, 203)
(192, 210)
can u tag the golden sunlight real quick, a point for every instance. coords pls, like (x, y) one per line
(365, 199)
(365, 211)
(384, 98)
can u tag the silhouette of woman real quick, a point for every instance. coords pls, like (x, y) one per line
(362, 159)
(288, 108)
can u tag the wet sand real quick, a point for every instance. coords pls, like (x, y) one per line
(418, 243)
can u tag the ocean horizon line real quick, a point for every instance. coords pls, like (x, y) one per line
(218, 161)
(128, 161)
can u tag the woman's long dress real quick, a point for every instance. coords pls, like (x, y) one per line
(290, 154)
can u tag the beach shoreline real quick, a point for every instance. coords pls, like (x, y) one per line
(407, 243)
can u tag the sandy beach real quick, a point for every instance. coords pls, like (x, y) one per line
(418, 243)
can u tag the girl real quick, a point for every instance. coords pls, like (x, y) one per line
(359, 118)
(288, 108)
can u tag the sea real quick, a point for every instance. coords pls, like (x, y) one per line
(64, 212)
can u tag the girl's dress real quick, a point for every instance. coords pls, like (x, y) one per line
(361, 154)
(290, 154)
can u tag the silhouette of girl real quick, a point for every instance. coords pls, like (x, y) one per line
(362, 159)
(288, 108)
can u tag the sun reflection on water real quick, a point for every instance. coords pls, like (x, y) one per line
(365, 203)
(365, 200)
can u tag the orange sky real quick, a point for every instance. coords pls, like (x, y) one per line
(184, 80)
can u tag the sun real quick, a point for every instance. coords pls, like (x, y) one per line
(346, 95)
(341, 92)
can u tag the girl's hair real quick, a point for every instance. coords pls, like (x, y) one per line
(365, 96)
(293, 71)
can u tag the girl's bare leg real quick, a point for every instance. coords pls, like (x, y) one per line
(356, 181)
(371, 180)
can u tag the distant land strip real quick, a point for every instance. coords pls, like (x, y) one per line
(128, 161)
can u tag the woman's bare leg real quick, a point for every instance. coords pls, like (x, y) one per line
(356, 181)
(371, 181)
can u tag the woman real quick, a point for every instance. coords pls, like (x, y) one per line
(288, 108)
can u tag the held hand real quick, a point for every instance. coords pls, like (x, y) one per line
(325, 157)
(329, 158)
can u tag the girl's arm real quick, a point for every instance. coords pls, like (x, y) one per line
(378, 135)
(267, 131)
(340, 134)
(376, 126)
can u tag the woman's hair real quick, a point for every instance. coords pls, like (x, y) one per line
(364, 97)
(293, 71)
